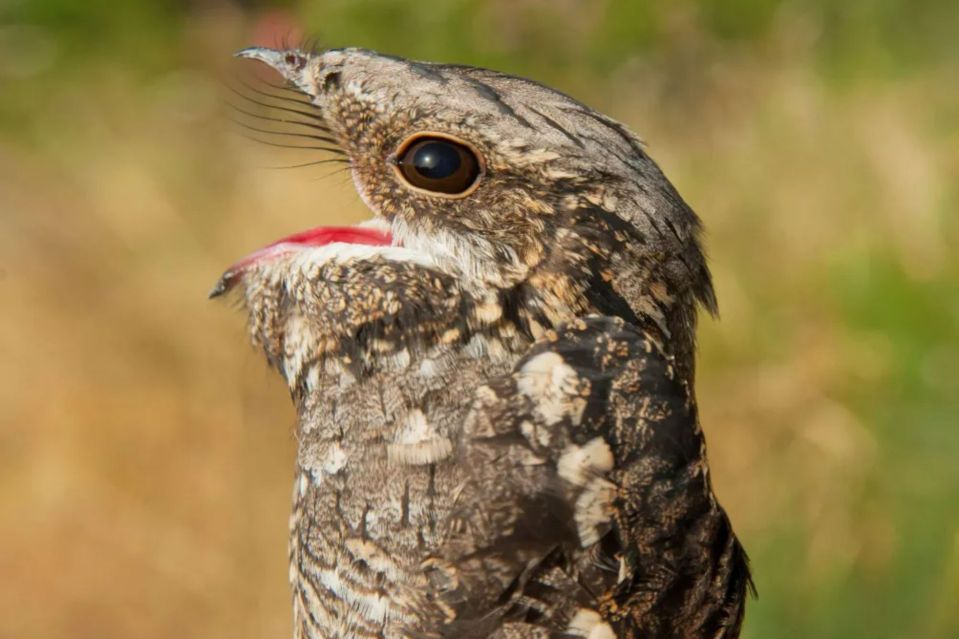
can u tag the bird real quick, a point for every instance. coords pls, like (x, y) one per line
(497, 431)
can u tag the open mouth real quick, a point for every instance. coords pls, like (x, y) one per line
(363, 234)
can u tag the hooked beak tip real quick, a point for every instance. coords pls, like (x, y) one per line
(252, 52)
(223, 285)
(271, 57)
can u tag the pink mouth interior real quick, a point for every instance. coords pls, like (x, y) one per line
(322, 235)
(319, 236)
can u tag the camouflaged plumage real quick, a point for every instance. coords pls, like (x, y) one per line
(497, 430)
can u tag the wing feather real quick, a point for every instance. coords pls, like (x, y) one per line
(591, 497)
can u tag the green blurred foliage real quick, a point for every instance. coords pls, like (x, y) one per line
(854, 36)
(819, 141)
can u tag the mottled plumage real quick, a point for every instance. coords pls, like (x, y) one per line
(497, 429)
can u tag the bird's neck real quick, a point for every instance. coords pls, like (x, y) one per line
(584, 277)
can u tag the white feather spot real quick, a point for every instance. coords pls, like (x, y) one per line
(335, 460)
(401, 359)
(587, 623)
(580, 464)
(429, 368)
(417, 442)
(593, 510)
(313, 378)
(477, 347)
(323, 460)
(534, 434)
(302, 483)
(551, 383)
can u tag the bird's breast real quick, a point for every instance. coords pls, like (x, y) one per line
(377, 507)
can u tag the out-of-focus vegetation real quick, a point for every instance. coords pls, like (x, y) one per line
(146, 452)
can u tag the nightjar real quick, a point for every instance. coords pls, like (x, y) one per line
(497, 430)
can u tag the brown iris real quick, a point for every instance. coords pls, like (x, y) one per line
(439, 165)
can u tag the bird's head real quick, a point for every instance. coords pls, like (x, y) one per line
(503, 185)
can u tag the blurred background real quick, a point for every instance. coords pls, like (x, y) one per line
(146, 451)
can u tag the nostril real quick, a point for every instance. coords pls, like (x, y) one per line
(295, 60)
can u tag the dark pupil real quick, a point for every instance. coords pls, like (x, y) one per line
(436, 160)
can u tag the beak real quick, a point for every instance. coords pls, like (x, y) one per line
(272, 57)
(288, 62)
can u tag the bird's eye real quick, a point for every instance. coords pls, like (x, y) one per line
(439, 165)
